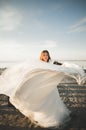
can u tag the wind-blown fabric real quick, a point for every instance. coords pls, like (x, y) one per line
(32, 88)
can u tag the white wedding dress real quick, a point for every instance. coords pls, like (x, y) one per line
(32, 88)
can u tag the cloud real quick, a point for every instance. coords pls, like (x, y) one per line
(79, 26)
(49, 43)
(13, 50)
(10, 18)
(9, 43)
(46, 43)
(14, 43)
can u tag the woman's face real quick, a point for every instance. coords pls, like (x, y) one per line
(45, 57)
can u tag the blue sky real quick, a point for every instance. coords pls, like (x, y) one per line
(29, 26)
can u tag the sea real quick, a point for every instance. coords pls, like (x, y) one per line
(81, 63)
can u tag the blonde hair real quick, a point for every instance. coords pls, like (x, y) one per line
(41, 56)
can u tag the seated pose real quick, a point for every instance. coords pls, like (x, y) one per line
(32, 88)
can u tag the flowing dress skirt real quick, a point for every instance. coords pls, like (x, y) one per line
(32, 88)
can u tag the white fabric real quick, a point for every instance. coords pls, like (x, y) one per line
(32, 89)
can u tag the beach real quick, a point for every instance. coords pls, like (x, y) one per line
(72, 94)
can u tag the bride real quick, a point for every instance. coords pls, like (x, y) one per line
(32, 89)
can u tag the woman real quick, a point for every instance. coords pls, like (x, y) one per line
(32, 89)
(45, 56)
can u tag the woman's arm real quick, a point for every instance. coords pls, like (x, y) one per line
(57, 63)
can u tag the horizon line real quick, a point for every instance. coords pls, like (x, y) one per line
(55, 59)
